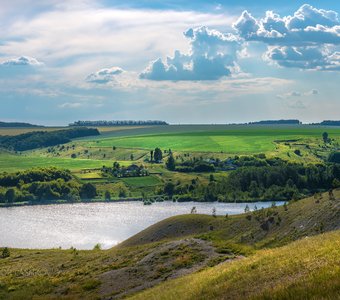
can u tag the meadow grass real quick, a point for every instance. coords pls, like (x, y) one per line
(305, 269)
(142, 181)
(237, 140)
(102, 129)
(14, 163)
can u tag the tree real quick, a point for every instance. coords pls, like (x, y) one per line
(88, 191)
(334, 157)
(97, 247)
(214, 212)
(211, 178)
(297, 152)
(107, 196)
(151, 155)
(247, 209)
(325, 137)
(122, 192)
(5, 253)
(193, 210)
(10, 196)
(170, 164)
(158, 155)
(331, 195)
(131, 156)
(169, 189)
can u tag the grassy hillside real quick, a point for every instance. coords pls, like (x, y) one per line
(229, 139)
(263, 228)
(306, 269)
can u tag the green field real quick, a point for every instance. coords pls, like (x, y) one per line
(203, 140)
(13, 163)
(141, 181)
(232, 139)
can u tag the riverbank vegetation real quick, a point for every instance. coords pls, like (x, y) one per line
(43, 185)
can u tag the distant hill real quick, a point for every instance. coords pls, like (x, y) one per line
(276, 122)
(18, 124)
(328, 123)
(265, 228)
(118, 123)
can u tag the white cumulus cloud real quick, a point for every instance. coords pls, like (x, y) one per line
(104, 75)
(22, 61)
(308, 39)
(212, 55)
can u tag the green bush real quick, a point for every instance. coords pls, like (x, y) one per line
(5, 253)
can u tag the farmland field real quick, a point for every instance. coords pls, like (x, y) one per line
(13, 163)
(102, 129)
(141, 181)
(94, 152)
(229, 139)
(21, 130)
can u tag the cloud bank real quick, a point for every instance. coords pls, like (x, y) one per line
(306, 40)
(212, 55)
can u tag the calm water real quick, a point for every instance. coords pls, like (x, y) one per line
(85, 224)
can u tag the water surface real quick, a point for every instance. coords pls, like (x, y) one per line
(83, 225)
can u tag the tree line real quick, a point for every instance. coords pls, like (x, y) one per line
(258, 178)
(42, 185)
(118, 123)
(39, 139)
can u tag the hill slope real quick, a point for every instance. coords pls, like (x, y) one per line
(305, 269)
(264, 228)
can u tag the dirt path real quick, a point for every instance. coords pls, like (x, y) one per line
(167, 261)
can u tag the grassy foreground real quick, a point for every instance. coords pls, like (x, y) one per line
(306, 269)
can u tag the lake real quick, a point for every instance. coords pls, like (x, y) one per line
(83, 225)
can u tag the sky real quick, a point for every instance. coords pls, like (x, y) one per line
(182, 62)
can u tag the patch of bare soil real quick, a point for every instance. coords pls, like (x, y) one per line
(167, 261)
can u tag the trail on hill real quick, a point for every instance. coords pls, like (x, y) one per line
(167, 261)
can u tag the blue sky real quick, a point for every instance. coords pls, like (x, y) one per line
(179, 61)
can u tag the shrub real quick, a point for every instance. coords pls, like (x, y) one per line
(334, 157)
(5, 253)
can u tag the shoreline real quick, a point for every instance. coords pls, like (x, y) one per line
(61, 202)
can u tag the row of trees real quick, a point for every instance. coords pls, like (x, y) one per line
(118, 123)
(34, 175)
(258, 178)
(284, 182)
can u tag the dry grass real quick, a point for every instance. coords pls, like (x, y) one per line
(306, 269)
